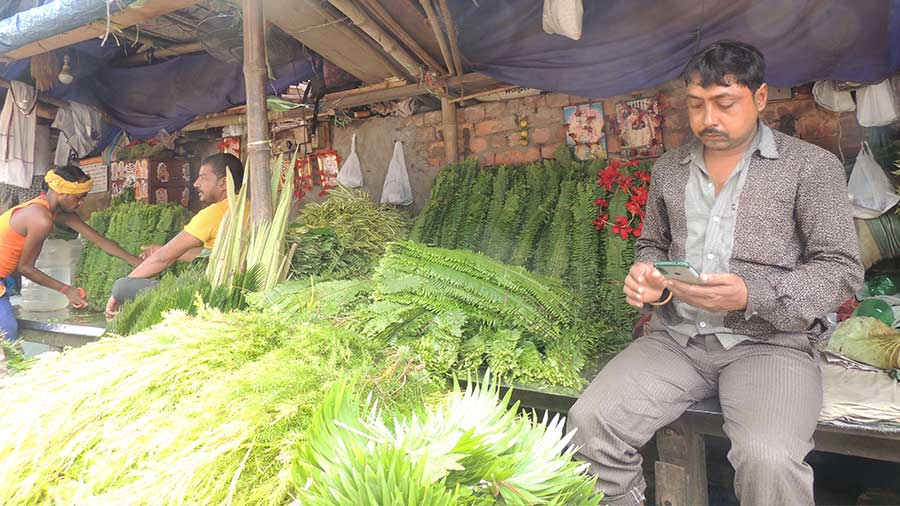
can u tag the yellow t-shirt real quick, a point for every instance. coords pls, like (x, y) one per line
(205, 225)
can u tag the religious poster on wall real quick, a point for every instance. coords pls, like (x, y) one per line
(584, 130)
(639, 123)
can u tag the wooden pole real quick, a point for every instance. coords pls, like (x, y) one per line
(451, 139)
(365, 23)
(385, 18)
(258, 144)
(451, 33)
(438, 33)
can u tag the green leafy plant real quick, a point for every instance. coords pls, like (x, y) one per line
(471, 449)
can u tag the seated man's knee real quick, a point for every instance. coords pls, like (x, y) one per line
(760, 455)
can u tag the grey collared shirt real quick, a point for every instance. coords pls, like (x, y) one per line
(710, 234)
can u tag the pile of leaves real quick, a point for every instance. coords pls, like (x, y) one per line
(543, 217)
(131, 225)
(198, 410)
(460, 312)
(470, 449)
(344, 236)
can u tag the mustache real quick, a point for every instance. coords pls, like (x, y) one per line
(713, 131)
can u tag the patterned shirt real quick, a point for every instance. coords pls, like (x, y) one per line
(710, 233)
(793, 239)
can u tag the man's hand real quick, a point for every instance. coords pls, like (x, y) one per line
(112, 309)
(76, 296)
(643, 284)
(148, 250)
(719, 292)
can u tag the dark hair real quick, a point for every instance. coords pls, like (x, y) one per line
(743, 62)
(71, 173)
(219, 161)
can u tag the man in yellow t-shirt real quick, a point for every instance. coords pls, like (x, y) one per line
(197, 235)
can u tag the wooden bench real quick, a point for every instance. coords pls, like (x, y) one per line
(681, 478)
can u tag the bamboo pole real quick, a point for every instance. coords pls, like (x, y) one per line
(451, 139)
(258, 144)
(451, 33)
(365, 23)
(159, 53)
(385, 17)
(438, 33)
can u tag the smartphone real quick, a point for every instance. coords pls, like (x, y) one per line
(679, 271)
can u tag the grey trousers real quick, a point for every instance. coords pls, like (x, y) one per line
(771, 396)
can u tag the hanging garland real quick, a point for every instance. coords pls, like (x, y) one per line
(633, 179)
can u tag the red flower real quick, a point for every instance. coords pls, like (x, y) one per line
(625, 181)
(634, 208)
(608, 176)
(640, 196)
(621, 228)
(643, 175)
(639, 230)
(602, 203)
(632, 163)
(601, 221)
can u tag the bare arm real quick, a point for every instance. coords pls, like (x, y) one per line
(109, 246)
(165, 256)
(188, 256)
(38, 226)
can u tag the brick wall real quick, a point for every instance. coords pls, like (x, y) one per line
(490, 131)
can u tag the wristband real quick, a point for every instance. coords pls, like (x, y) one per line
(665, 298)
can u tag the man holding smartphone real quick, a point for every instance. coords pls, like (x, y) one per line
(766, 219)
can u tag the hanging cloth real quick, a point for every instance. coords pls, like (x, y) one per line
(79, 131)
(18, 121)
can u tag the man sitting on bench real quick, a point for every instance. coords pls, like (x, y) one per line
(765, 217)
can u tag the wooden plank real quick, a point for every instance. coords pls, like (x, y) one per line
(129, 16)
(318, 29)
(671, 485)
(683, 445)
(406, 13)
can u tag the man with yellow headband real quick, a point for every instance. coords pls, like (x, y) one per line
(24, 228)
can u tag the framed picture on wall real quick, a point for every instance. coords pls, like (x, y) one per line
(584, 130)
(639, 123)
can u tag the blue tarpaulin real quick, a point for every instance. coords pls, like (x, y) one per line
(628, 45)
(167, 95)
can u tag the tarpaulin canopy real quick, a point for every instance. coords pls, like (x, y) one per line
(628, 45)
(167, 95)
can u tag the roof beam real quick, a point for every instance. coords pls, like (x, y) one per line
(131, 15)
(317, 28)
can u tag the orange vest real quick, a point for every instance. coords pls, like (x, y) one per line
(12, 242)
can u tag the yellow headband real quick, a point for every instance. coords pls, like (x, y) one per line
(61, 186)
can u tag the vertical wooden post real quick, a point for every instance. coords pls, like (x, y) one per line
(451, 141)
(258, 147)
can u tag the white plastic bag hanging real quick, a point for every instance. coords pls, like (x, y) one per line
(871, 191)
(350, 174)
(829, 97)
(396, 184)
(877, 106)
(563, 17)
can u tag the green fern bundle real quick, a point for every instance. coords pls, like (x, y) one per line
(619, 256)
(474, 222)
(132, 225)
(505, 230)
(585, 269)
(537, 218)
(498, 198)
(553, 254)
(343, 236)
(488, 291)
(471, 449)
(427, 227)
(456, 209)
